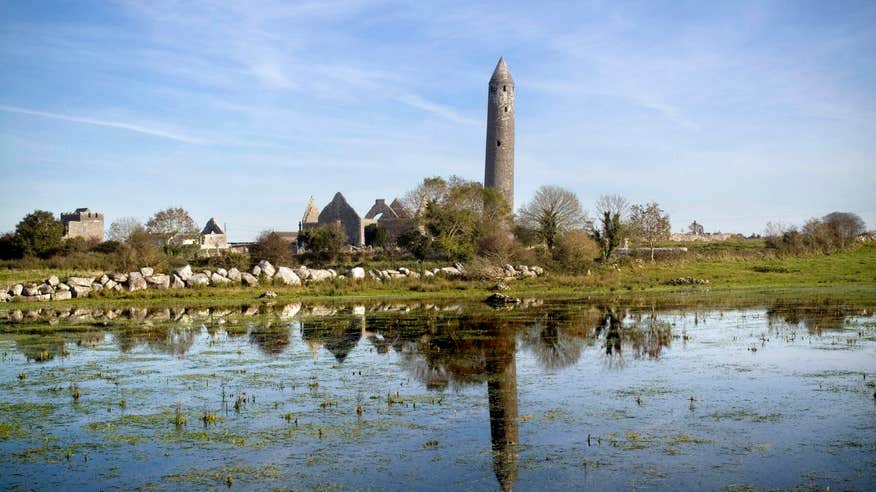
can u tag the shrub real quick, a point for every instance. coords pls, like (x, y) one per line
(576, 250)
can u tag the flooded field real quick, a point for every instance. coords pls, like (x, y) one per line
(548, 395)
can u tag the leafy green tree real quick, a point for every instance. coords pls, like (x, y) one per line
(39, 234)
(649, 224)
(455, 215)
(553, 211)
(9, 249)
(272, 247)
(375, 236)
(170, 222)
(612, 211)
(326, 241)
(138, 251)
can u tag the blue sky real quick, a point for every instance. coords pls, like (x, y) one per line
(733, 114)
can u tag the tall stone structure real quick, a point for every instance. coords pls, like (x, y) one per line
(339, 211)
(499, 166)
(83, 223)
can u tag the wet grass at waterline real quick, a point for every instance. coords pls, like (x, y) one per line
(852, 272)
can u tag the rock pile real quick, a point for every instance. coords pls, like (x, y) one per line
(688, 281)
(185, 277)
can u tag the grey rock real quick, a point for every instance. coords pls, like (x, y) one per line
(147, 271)
(268, 295)
(451, 271)
(303, 272)
(184, 273)
(103, 279)
(249, 279)
(45, 289)
(96, 287)
(80, 281)
(287, 276)
(256, 270)
(234, 275)
(110, 285)
(357, 273)
(537, 269)
(218, 279)
(158, 281)
(16, 290)
(319, 275)
(61, 295)
(30, 291)
(198, 280)
(80, 291)
(63, 286)
(222, 271)
(404, 271)
(120, 278)
(428, 273)
(53, 280)
(267, 268)
(136, 282)
(177, 282)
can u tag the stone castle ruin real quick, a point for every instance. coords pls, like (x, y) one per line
(83, 223)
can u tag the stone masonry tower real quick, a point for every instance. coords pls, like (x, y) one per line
(499, 168)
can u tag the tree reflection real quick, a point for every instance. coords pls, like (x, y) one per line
(168, 339)
(270, 338)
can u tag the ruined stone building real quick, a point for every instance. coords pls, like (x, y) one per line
(499, 165)
(394, 218)
(213, 236)
(83, 223)
(339, 211)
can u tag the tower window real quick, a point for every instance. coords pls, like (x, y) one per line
(504, 88)
(498, 143)
(506, 109)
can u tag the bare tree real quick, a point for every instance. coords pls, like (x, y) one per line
(121, 229)
(649, 223)
(613, 204)
(844, 226)
(553, 211)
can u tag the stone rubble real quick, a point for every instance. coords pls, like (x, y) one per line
(263, 273)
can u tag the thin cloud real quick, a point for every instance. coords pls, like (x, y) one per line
(436, 109)
(111, 124)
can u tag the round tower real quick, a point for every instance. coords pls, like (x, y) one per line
(499, 167)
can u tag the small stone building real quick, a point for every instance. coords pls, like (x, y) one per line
(213, 236)
(83, 223)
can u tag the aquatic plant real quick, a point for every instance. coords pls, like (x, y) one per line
(179, 418)
(210, 418)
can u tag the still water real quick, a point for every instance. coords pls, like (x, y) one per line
(549, 395)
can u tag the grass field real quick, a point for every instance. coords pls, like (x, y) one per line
(848, 275)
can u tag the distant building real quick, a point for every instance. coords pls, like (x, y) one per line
(394, 218)
(213, 236)
(83, 223)
(340, 212)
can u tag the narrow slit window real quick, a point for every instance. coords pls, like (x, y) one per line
(506, 109)
(498, 143)
(504, 88)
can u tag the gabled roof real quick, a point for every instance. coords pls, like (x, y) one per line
(400, 210)
(311, 213)
(212, 228)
